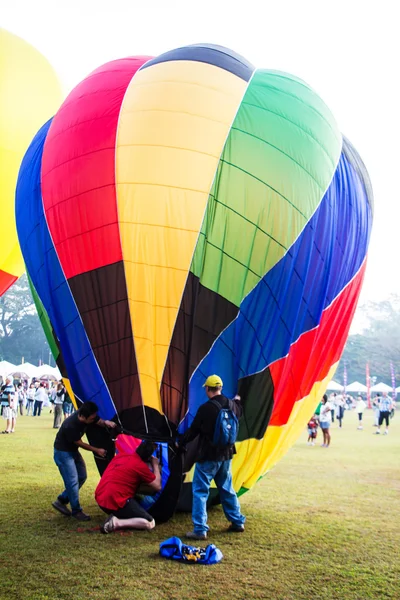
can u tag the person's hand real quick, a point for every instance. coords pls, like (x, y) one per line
(154, 461)
(110, 424)
(237, 397)
(100, 452)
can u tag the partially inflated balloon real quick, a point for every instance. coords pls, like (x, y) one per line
(192, 215)
(30, 94)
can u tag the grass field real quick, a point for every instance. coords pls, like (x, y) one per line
(324, 524)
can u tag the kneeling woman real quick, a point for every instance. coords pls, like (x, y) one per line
(125, 476)
(325, 420)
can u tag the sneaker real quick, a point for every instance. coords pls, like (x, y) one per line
(108, 525)
(312, 444)
(81, 516)
(192, 535)
(385, 432)
(62, 508)
(235, 528)
(377, 432)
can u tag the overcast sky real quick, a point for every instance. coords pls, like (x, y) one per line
(347, 51)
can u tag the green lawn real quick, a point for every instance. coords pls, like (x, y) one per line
(324, 524)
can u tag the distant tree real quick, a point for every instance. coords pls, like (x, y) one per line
(379, 343)
(21, 333)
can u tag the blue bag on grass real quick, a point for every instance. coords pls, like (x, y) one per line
(175, 549)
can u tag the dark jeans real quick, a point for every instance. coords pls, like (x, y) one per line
(73, 471)
(360, 416)
(130, 510)
(340, 414)
(37, 409)
(333, 415)
(384, 416)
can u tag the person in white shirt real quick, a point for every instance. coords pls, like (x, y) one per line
(360, 407)
(58, 405)
(40, 397)
(325, 420)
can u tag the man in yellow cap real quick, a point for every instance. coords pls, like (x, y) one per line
(213, 459)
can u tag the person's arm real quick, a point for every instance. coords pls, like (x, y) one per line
(155, 485)
(105, 423)
(99, 451)
(193, 431)
(238, 408)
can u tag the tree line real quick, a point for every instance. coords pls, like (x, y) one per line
(22, 337)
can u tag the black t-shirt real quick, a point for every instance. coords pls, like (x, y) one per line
(70, 431)
(203, 426)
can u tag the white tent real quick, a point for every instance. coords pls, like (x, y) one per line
(6, 367)
(356, 387)
(48, 370)
(381, 387)
(398, 390)
(27, 368)
(334, 387)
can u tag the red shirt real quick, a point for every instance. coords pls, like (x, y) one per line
(121, 480)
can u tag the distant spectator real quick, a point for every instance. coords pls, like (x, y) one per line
(312, 428)
(325, 420)
(9, 403)
(40, 398)
(375, 404)
(68, 407)
(385, 406)
(340, 409)
(30, 399)
(360, 407)
(21, 397)
(58, 405)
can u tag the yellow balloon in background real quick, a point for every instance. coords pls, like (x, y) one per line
(30, 94)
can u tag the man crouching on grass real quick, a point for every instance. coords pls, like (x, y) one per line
(126, 475)
(69, 461)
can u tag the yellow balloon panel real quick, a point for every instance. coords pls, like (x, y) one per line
(30, 95)
(173, 124)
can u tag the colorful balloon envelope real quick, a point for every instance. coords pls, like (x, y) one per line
(30, 94)
(189, 215)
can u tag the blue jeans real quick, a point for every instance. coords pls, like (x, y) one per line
(204, 473)
(73, 471)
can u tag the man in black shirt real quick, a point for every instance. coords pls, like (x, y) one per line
(69, 461)
(213, 462)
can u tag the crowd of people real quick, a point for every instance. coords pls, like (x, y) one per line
(22, 398)
(335, 407)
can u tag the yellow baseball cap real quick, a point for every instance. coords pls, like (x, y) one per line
(213, 381)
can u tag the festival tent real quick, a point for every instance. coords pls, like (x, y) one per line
(381, 387)
(46, 371)
(24, 368)
(334, 387)
(6, 367)
(356, 386)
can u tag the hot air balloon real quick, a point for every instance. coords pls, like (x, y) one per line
(188, 215)
(30, 94)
